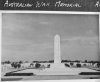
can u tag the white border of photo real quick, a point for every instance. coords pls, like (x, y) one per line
(49, 12)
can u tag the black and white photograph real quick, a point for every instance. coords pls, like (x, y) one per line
(44, 46)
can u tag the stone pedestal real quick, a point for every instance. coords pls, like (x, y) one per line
(58, 69)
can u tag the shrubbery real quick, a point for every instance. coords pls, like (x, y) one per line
(37, 65)
(16, 65)
(67, 65)
(78, 65)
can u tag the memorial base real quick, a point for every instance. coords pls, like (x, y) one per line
(58, 69)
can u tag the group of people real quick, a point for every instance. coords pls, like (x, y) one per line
(16, 65)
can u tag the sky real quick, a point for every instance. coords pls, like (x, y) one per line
(30, 36)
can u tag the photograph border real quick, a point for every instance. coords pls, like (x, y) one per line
(50, 12)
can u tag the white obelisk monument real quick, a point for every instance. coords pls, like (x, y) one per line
(57, 52)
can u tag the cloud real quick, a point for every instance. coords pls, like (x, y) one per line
(82, 40)
(90, 32)
(45, 23)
